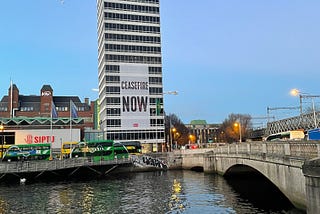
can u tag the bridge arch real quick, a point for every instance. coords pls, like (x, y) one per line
(275, 172)
(240, 169)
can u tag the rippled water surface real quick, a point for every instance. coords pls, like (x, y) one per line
(152, 192)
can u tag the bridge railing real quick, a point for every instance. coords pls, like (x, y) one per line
(38, 166)
(305, 150)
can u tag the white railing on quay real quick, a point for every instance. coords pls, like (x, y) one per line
(56, 164)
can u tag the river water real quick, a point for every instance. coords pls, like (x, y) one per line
(148, 192)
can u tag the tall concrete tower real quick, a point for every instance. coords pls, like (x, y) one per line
(130, 71)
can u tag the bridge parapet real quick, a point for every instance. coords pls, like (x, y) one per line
(304, 150)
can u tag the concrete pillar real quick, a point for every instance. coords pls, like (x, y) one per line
(311, 171)
(264, 148)
(209, 163)
(287, 149)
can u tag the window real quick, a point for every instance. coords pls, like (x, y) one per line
(112, 79)
(114, 123)
(113, 90)
(61, 108)
(3, 108)
(113, 68)
(113, 100)
(155, 80)
(26, 108)
(154, 90)
(113, 112)
(155, 70)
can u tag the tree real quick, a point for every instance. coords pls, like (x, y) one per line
(181, 132)
(229, 133)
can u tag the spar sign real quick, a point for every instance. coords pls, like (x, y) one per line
(134, 92)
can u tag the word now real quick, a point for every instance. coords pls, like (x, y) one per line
(134, 104)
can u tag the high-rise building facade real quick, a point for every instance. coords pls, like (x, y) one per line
(130, 71)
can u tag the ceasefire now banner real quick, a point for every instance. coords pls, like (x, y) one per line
(134, 93)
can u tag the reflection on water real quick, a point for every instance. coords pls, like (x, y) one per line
(155, 192)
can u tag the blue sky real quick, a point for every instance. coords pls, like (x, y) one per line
(223, 56)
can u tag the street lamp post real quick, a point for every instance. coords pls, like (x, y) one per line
(172, 130)
(2, 140)
(238, 124)
(170, 136)
(296, 92)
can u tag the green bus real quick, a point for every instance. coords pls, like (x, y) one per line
(133, 147)
(100, 150)
(28, 152)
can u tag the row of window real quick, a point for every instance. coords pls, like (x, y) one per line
(133, 59)
(144, 1)
(113, 112)
(155, 80)
(130, 7)
(116, 100)
(65, 108)
(114, 123)
(31, 108)
(133, 48)
(116, 79)
(116, 112)
(116, 69)
(113, 90)
(113, 100)
(113, 68)
(132, 28)
(132, 18)
(26, 108)
(112, 79)
(132, 135)
(117, 122)
(116, 90)
(132, 38)
(155, 70)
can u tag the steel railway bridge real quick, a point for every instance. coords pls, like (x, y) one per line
(304, 121)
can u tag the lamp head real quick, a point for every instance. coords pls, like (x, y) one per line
(295, 92)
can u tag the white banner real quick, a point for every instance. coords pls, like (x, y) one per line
(134, 93)
(55, 136)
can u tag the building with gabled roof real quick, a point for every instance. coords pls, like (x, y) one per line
(18, 111)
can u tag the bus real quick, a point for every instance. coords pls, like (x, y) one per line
(133, 147)
(289, 135)
(100, 150)
(3, 149)
(66, 148)
(28, 152)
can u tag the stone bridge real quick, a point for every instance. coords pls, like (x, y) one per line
(280, 162)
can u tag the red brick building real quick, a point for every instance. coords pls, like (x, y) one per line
(19, 111)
